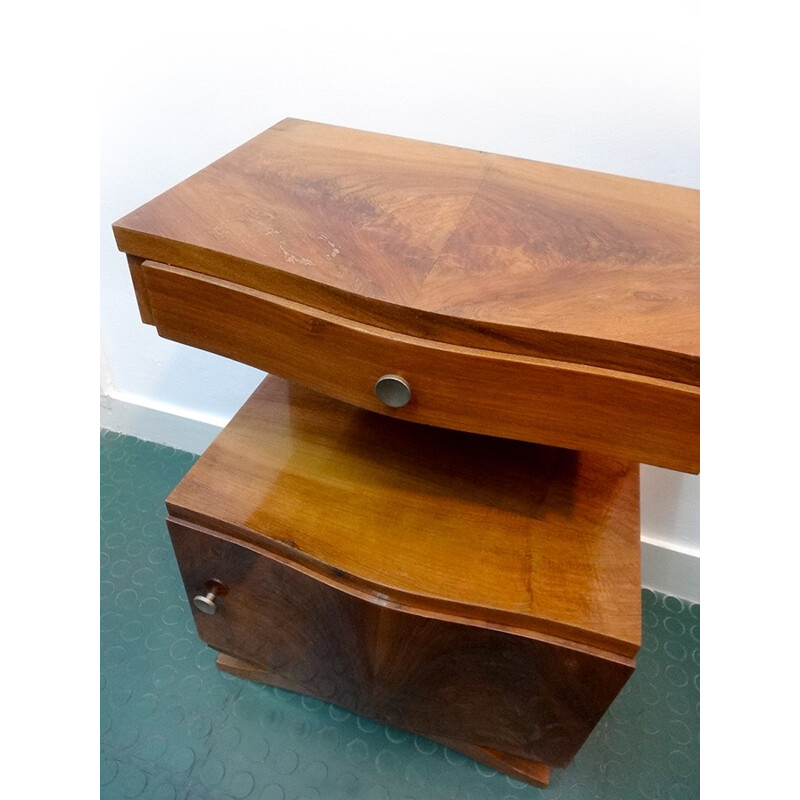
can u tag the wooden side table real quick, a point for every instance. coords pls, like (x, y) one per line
(464, 563)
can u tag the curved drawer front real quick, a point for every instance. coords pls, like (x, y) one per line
(582, 408)
(526, 697)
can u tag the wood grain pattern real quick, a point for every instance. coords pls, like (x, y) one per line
(460, 246)
(530, 771)
(523, 769)
(137, 278)
(489, 532)
(640, 419)
(522, 696)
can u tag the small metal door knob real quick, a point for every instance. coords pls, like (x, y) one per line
(205, 602)
(393, 391)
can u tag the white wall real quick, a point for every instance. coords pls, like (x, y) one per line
(609, 86)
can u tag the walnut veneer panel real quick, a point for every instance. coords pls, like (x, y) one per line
(528, 770)
(461, 246)
(502, 534)
(528, 698)
(513, 260)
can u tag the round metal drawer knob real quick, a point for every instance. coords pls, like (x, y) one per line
(393, 391)
(205, 602)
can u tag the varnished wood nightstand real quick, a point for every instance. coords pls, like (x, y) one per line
(464, 563)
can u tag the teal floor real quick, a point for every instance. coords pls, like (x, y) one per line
(174, 727)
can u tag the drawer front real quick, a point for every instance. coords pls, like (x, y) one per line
(638, 419)
(528, 698)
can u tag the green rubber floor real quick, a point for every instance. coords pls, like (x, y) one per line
(174, 727)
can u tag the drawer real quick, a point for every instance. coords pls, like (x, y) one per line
(633, 417)
(532, 698)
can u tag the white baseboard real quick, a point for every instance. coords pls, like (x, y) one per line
(162, 425)
(666, 567)
(670, 569)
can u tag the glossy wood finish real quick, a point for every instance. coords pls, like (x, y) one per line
(440, 242)
(501, 534)
(525, 697)
(514, 261)
(528, 770)
(582, 408)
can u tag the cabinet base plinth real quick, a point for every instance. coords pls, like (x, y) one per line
(533, 772)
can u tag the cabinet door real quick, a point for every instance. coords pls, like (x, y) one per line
(529, 698)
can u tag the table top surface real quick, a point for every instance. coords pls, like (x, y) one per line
(491, 532)
(463, 246)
